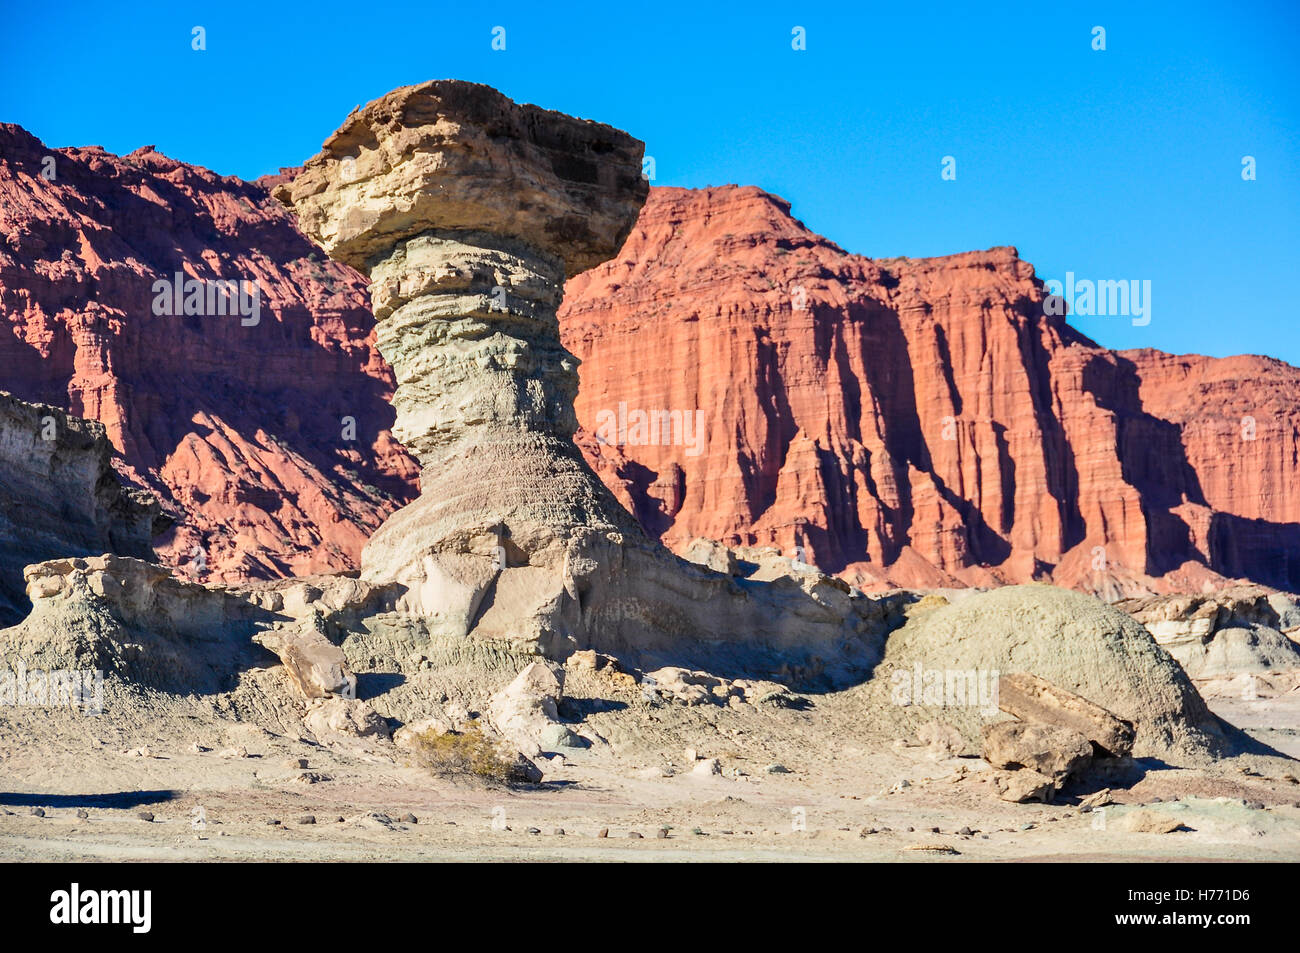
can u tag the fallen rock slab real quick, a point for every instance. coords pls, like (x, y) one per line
(315, 665)
(334, 716)
(526, 708)
(1035, 699)
(1097, 799)
(407, 735)
(942, 740)
(1148, 822)
(1051, 750)
(1023, 786)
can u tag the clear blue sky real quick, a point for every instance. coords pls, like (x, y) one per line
(1117, 164)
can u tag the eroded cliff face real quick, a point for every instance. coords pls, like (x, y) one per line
(59, 496)
(262, 422)
(916, 422)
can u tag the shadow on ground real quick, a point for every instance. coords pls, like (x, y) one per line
(117, 799)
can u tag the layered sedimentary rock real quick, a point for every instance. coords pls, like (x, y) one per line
(59, 496)
(469, 211)
(264, 431)
(1235, 630)
(905, 421)
(916, 422)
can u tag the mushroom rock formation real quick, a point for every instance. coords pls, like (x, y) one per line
(468, 211)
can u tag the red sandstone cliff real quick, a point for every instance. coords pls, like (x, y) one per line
(241, 427)
(919, 421)
(907, 421)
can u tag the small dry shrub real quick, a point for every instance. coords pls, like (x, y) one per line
(464, 754)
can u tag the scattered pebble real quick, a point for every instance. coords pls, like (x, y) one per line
(307, 819)
(410, 819)
(558, 832)
(603, 832)
(662, 834)
(82, 813)
(534, 830)
(777, 769)
(635, 835)
(145, 816)
(966, 832)
(272, 822)
(1255, 805)
(38, 811)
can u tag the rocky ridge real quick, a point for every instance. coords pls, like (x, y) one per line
(62, 497)
(916, 422)
(264, 434)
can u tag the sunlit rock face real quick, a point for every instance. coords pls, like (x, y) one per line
(468, 211)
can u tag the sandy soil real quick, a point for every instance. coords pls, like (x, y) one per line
(839, 787)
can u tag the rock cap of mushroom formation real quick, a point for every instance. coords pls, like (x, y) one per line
(448, 155)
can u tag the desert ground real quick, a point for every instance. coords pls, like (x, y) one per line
(185, 783)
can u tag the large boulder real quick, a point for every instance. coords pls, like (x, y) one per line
(1035, 699)
(525, 709)
(315, 665)
(334, 718)
(1023, 786)
(1051, 750)
(1074, 641)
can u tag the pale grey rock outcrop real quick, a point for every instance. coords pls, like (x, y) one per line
(59, 496)
(1229, 632)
